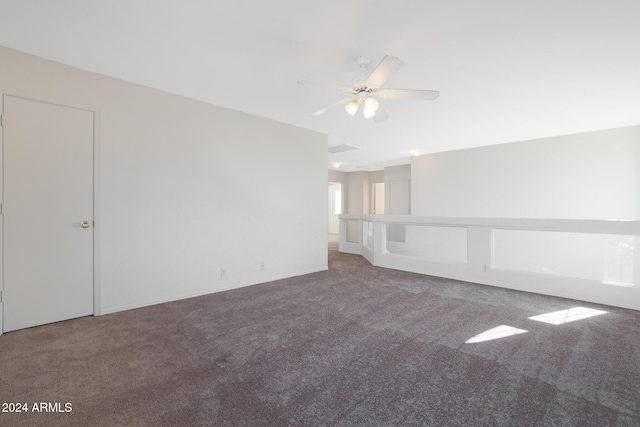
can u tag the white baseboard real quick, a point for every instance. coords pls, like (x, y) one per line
(206, 292)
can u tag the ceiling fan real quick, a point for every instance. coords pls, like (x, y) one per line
(363, 91)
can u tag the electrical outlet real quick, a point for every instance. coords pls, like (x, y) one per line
(261, 265)
(223, 272)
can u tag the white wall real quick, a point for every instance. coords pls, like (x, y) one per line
(376, 176)
(397, 184)
(187, 188)
(358, 189)
(593, 175)
(357, 200)
(397, 198)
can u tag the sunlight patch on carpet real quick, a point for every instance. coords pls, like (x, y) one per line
(498, 332)
(566, 316)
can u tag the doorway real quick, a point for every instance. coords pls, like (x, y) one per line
(335, 207)
(47, 213)
(377, 198)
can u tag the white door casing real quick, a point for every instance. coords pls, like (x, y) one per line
(47, 194)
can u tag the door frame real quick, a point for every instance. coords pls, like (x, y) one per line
(96, 111)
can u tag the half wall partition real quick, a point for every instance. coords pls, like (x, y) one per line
(590, 260)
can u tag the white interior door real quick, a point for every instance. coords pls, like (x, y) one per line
(47, 195)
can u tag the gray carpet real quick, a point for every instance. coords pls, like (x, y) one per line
(353, 346)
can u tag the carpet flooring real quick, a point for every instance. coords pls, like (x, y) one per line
(352, 346)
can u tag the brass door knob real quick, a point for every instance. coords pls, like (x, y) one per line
(85, 224)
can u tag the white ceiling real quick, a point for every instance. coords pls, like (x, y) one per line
(507, 70)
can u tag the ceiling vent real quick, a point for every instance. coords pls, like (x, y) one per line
(340, 148)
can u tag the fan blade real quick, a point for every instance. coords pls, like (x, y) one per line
(325, 85)
(427, 95)
(328, 107)
(385, 69)
(380, 115)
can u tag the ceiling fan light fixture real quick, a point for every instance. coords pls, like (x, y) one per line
(364, 88)
(352, 107)
(370, 107)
